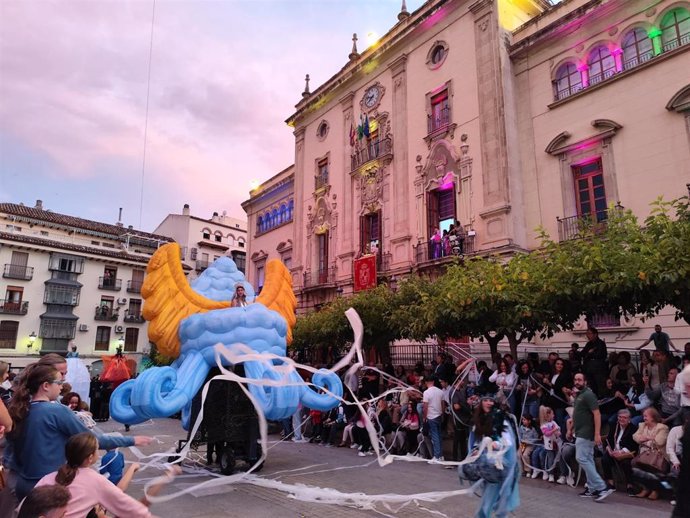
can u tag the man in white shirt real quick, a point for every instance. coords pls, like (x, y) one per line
(433, 408)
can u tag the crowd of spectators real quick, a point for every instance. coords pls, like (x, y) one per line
(642, 407)
(49, 443)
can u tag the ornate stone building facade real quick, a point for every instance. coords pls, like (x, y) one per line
(501, 116)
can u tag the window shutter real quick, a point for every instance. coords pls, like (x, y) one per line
(432, 212)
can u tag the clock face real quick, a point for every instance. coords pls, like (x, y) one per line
(371, 96)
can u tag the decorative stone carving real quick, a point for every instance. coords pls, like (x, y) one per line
(650, 12)
(371, 189)
(484, 24)
(579, 48)
(613, 31)
(322, 216)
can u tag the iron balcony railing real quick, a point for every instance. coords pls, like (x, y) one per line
(134, 286)
(439, 120)
(676, 42)
(567, 92)
(432, 251)
(320, 181)
(572, 227)
(16, 271)
(10, 307)
(322, 277)
(371, 150)
(109, 283)
(638, 60)
(595, 79)
(106, 313)
(134, 317)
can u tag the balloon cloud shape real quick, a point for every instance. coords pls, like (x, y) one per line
(186, 322)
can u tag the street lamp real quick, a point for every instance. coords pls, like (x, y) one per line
(32, 339)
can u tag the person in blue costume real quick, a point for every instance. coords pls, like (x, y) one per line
(499, 496)
(42, 427)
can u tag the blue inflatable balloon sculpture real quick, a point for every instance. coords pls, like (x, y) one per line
(186, 322)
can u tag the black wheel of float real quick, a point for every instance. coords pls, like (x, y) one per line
(227, 461)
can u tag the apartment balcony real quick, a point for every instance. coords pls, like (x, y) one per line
(15, 271)
(134, 317)
(437, 253)
(573, 226)
(109, 284)
(377, 148)
(106, 313)
(134, 286)
(9, 307)
(324, 278)
(201, 265)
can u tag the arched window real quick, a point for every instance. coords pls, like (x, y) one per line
(568, 81)
(637, 48)
(283, 213)
(206, 233)
(259, 227)
(217, 236)
(274, 218)
(675, 29)
(290, 208)
(267, 221)
(231, 238)
(602, 65)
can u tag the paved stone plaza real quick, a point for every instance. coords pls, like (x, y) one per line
(342, 469)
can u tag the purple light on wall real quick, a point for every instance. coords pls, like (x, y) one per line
(434, 18)
(447, 182)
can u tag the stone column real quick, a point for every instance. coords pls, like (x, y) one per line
(401, 235)
(299, 260)
(346, 202)
(492, 123)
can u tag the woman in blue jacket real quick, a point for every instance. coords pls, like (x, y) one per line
(42, 428)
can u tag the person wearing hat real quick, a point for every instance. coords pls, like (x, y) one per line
(239, 300)
(432, 411)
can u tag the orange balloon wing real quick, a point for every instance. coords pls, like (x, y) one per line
(277, 293)
(169, 299)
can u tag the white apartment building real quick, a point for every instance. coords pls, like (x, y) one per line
(67, 280)
(204, 240)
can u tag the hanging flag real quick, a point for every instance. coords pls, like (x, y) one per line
(365, 128)
(360, 128)
(352, 134)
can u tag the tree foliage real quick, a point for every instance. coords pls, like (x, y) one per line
(613, 267)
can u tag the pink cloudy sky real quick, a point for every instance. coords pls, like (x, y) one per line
(225, 75)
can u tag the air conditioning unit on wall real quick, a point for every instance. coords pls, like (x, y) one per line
(119, 329)
(83, 327)
(122, 301)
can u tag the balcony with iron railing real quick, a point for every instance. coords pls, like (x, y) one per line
(438, 121)
(371, 150)
(17, 271)
(432, 252)
(106, 313)
(134, 286)
(134, 317)
(11, 307)
(684, 39)
(637, 60)
(109, 283)
(319, 278)
(320, 181)
(573, 226)
(628, 65)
